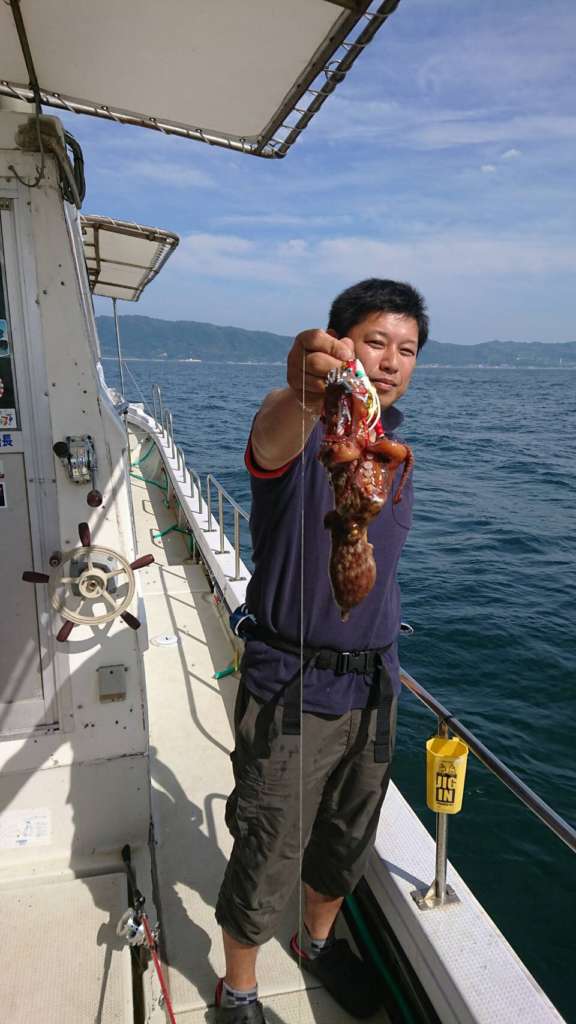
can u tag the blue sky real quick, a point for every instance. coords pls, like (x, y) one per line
(446, 159)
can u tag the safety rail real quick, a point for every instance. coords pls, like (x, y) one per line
(168, 429)
(165, 423)
(181, 464)
(438, 893)
(158, 409)
(238, 511)
(555, 823)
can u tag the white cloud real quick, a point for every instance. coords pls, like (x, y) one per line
(441, 133)
(495, 50)
(228, 256)
(438, 257)
(511, 154)
(444, 255)
(426, 125)
(162, 172)
(294, 248)
(488, 168)
(288, 220)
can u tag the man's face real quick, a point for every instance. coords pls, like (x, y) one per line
(387, 345)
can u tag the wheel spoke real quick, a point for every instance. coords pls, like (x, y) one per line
(64, 631)
(114, 572)
(68, 579)
(109, 599)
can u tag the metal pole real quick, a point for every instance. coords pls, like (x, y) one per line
(161, 404)
(209, 503)
(236, 544)
(173, 446)
(441, 840)
(438, 893)
(221, 517)
(118, 347)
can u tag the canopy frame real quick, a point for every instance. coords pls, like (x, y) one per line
(327, 68)
(98, 265)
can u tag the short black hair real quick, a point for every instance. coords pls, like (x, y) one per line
(376, 295)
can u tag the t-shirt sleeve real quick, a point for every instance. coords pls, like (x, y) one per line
(256, 471)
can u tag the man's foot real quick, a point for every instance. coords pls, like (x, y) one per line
(353, 984)
(243, 1013)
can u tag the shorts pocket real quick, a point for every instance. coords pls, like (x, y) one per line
(243, 803)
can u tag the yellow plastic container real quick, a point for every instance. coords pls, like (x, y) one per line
(445, 774)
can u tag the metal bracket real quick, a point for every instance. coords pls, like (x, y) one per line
(78, 456)
(428, 899)
(111, 682)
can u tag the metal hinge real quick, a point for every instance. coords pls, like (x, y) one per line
(5, 204)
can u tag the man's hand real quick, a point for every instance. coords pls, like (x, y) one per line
(312, 356)
(282, 426)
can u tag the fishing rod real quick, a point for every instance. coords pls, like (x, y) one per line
(134, 926)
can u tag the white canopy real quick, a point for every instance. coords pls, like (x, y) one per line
(248, 74)
(123, 258)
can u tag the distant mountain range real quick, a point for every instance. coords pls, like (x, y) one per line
(145, 337)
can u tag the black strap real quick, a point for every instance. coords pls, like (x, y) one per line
(341, 663)
(382, 745)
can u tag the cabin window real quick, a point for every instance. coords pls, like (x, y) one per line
(8, 402)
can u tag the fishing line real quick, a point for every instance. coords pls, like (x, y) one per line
(303, 439)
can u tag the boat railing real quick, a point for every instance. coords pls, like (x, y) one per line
(186, 471)
(223, 495)
(157, 405)
(438, 893)
(168, 430)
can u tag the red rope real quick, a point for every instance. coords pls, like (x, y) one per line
(150, 942)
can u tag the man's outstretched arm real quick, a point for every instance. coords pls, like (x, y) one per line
(288, 415)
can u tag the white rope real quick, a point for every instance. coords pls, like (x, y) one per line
(138, 388)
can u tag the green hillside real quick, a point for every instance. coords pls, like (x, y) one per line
(145, 337)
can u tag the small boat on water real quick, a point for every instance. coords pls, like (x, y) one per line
(118, 668)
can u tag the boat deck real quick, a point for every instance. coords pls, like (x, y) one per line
(62, 961)
(190, 738)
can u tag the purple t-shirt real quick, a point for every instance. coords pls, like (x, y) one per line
(274, 592)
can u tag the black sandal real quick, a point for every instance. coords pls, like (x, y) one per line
(250, 1013)
(353, 984)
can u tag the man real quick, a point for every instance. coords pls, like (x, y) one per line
(345, 704)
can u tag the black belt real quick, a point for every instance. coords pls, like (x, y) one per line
(369, 662)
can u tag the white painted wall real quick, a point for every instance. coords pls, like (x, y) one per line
(90, 772)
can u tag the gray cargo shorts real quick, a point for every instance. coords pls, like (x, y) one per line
(343, 789)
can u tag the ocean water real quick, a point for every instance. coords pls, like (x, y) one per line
(488, 579)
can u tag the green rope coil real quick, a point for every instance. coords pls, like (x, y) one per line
(157, 534)
(143, 458)
(163, 487)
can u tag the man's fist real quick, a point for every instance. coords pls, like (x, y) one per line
(312, 356)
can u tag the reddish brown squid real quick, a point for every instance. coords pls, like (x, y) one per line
(362, 463)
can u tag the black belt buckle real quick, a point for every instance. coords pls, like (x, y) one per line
(342, 663)
(350, 661)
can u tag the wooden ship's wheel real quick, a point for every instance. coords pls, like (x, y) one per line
(88, 578)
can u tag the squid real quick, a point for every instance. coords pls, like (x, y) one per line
(361, 462)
